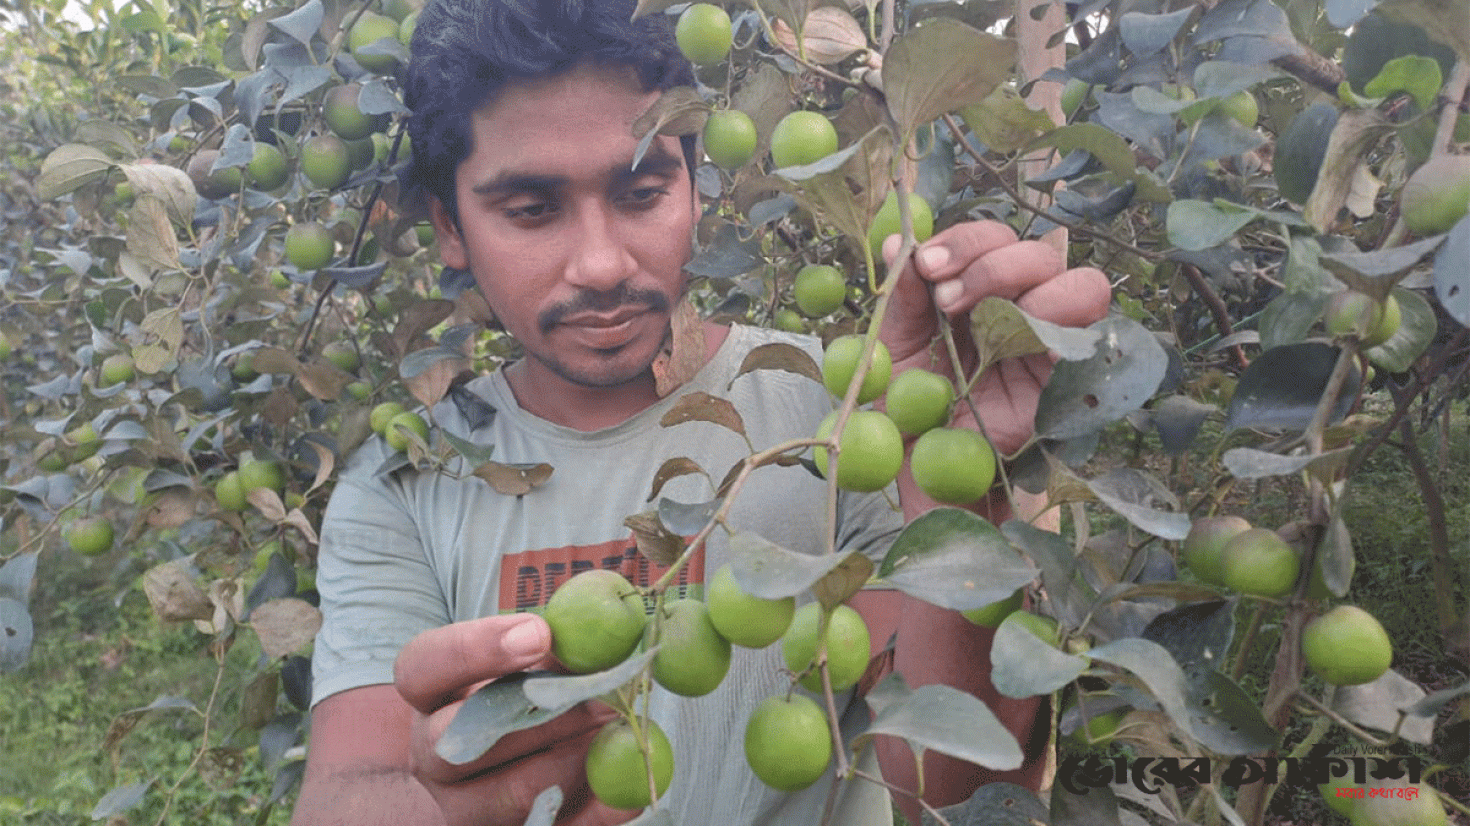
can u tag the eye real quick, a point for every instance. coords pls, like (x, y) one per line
(533, 211)
(644, 197)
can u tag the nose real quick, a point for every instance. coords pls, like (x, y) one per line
(599, 260)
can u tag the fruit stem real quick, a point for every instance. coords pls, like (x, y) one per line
(1360, 733)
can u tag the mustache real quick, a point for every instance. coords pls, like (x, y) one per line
(602, 302)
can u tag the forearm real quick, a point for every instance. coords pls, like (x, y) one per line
(382, 797)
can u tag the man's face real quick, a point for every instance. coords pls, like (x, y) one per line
(580, 256)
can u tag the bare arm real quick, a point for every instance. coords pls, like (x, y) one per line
(357, 770)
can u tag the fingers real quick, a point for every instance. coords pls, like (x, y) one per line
(439, 665)
(1075, 298)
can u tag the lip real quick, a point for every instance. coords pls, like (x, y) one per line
(603, 321)
(605, 331)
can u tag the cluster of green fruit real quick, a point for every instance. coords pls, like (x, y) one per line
(1344, 646)
(232, 490)
(394, 423)
(598, 619)
(953, 465)
(1372, 322)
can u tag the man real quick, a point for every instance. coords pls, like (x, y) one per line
(522, 128)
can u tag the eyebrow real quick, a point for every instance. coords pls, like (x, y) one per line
(657, 161)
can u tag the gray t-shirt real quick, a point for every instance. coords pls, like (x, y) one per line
(405, 552)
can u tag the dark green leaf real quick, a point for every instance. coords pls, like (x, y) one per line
(1227, 720)
(1198, 225)
(1152, 664)
(1024, 665)
(71, 167)
(995, 804)
(1377, 271)
(1085, 396)
(562, 691)
(16, 575)
(944, 719)
(302, 23)
(16, 634)
(1146, 34)
(120, 800)
(727, 255)
(490, 713)
(766, 570)
(1135, 495)
(1452, 273)
(1280, 389)
(1002, 330)
(955, 559)
(942, 66)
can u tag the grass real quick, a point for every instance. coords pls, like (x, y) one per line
(92, 661)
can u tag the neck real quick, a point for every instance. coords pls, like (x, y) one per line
(543, 393)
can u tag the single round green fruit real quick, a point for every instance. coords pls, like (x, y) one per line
(343, 355)
(116, 369)
(359, 390)
(704, 34)
(1258, 562)
(1242, 107)
(818, 289)
(1073, 95)
(871, 451)
(748, 621)
(953, 465)
(887, 222)
(788, 742)
(267, 169)
(1423, 809)
(230, 493)
(1437, 195)
(847, 646)
(1350, 312)
(209, 182)
(617, 771)
(597, 618)
(992, 615)
(692, 656)
(406, 29)
(89, 536)
(801, 138)
(259, 473)
(326, 161)
(840, 362)
(1042, 628)
(1099, 729)
(382, 414)
(370, 28)
(789, 320)
(340, 111)
(424, 233)
(729, 138)
(309, 245)
(919, 401)
(280, 280)
(1347, 646)
(1205, 543)
(393, 432)
(1342, 805)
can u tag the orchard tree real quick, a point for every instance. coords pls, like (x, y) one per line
(231, 291)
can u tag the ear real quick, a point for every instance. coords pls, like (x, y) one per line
(446, 232)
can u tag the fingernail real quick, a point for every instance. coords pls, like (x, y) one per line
(932, 258)
(524, 640)
(948, 292)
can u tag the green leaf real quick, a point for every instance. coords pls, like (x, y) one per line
(16, 634)
(1110, 150)
(995, 804)
(1281, 387)
(120, 800)
(1452, 273)
(942, 66)
(1024, 665)
(766, 570)
(1153, 664)
(562, 691)
(493, 711)
(1227, 720)
(302, 23)
(1003, 121)
(944, 719)
(1414, 335)
(1085, 396)
(16, 575)
(955, 559)
(1002, 330)
(1132, 494)
(1199, 225)
(71, 167)
(1378, 705)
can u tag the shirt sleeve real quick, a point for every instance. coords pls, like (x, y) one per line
(378, 589)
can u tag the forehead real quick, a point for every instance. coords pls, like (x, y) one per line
(588, 108)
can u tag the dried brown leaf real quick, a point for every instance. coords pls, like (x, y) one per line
(285, 625)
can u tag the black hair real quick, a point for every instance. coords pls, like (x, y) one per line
(465, 51)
